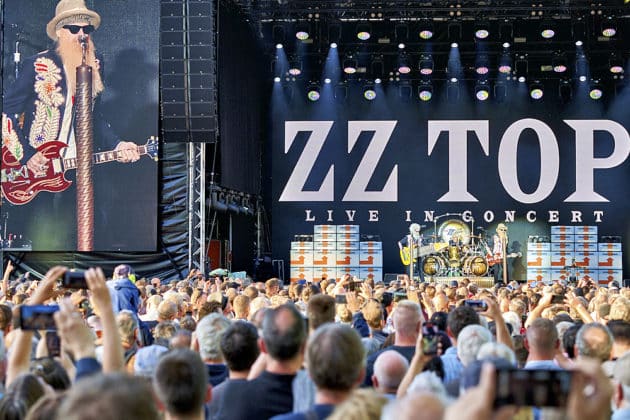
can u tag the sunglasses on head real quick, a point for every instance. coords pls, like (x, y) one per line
(74, 29)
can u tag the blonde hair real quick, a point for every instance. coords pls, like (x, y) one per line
(362, 404)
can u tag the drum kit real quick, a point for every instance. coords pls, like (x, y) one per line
(463, 253)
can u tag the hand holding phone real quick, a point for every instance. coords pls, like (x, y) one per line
(429, 338)
(536, 388)
(477, 305)
(38, 317)
(74, 279)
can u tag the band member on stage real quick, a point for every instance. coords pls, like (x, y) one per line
(499, 251)
(413, 240)
(39, 108)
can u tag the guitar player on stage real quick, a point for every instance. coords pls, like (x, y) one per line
(38, 109)
(499, 254)
(413, 240)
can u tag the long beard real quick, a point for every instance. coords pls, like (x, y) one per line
(72, 57)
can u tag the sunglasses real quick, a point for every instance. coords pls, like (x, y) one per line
(74, 29)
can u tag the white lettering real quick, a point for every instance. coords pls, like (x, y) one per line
(531, 216)
(554, 216)
(586, 163)
(357, 190)
(467, 216)
(457, 153)
(373, 215)
(294, 189)
(428, 215)
(598, 216)
(408, 216)
(488, 216)
(350, 214)
(330, 216)
(309, 218)
(576, 216)
(549, 160)
(509, 216)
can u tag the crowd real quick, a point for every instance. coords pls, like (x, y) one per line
(224, 348)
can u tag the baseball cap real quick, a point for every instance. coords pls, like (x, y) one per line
(147, 359)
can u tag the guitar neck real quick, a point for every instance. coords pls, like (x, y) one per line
(102, 157)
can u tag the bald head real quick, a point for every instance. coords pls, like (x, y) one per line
(389, 369)
(594, 340)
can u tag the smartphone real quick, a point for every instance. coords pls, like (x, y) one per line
(340, 299)
(536, 388)
(38, 317)
(74, 279)
(477, 305)
(53, 344)
(429, 338)
(555, 299)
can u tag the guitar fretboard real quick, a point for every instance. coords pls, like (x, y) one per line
(102, 157)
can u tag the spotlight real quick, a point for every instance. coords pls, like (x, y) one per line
(276, 79)
(536, 91)
(279, 46)
(578, 43)
(582, 78)
(482, 65)
(368, 92)
(615, 65)
(506, 45)
(454, 45)
(482, 91)
(482, 31)
(327, 80)
(403, 64)
(313, 92)
(350, 65)
(521, 79)
(302, 32)
(426, 65)
(295, 67)
(401, 46)
(425, 91)
(547, 29)
(426, 30)
(559, 63)
(609, 27)
(377, 81)
(595, 91)
(333, 45)
(363, 32)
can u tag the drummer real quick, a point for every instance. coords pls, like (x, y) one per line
(413, 238)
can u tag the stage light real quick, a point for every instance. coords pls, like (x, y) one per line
(295, 67)
(313, 92)
(426, 65)
(595, 90)
(609, 27)
(426, 30)
(327, 80)
(401, 46)
(378, 81)
(333, 45)
(363, 32)
(578, 43)
(615, 65)
(559, 63)
(482, 31)
(302, 31)
(368, 92)
(582, 78)
(403, 64)
(506, 45)
(521, 79)
(276, 79)
(279, 46)
(454, 45)
(505, 63)
(482, 91)
(482, 65)
(547, 29)
(350, 65)
(425, 91)
(536, 91)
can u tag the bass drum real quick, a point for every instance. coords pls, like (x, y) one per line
(433, 265)
(475, 265)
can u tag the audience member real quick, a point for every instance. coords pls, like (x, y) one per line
(207, 342)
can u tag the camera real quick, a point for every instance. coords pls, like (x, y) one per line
(340, 299)
(429, 338)
(74, 279)
(537, 387)
(477, 305)
(38, 317)
(557, 299)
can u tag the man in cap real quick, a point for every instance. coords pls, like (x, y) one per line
(39, 116)
(125, 294)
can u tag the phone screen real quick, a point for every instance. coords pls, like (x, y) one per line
(53, 344)
(38, 317)
(536, 388)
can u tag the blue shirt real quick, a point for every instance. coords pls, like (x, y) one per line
(319, 411)
(542, 364)
(452, 366)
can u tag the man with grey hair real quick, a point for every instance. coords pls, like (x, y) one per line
(336, 362)
(621, 396)
(407, 324)
(469, 341)
(389, 369)
(594, 340)
(208, 343)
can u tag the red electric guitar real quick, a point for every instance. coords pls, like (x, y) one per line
(20, 185)
(492, 260)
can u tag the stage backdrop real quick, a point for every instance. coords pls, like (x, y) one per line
(125, 194)
(384, 164)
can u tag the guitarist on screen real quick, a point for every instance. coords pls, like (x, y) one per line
(38, 116)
